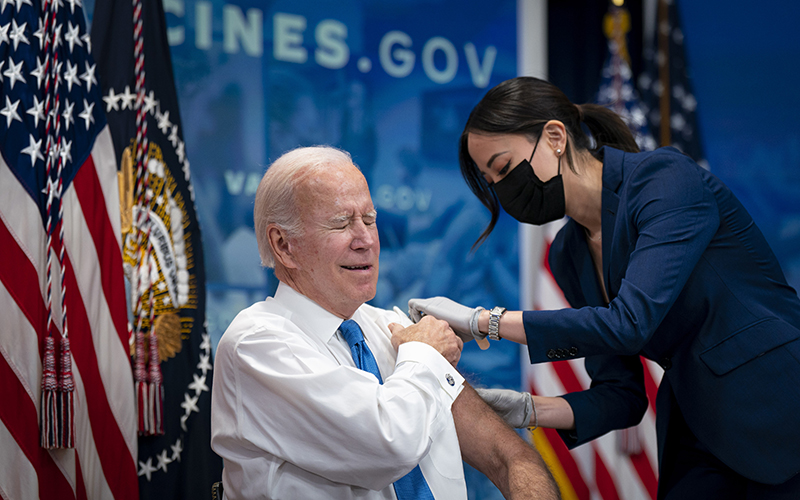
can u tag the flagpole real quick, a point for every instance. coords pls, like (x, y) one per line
(663, 70)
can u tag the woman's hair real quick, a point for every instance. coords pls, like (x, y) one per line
(275, 197)
(523, 105)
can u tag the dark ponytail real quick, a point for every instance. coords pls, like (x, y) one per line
(607, 128)
(523, 105)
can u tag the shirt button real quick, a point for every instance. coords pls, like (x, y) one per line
(551, 353)
(450, 379)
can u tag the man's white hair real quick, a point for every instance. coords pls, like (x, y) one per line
(275, 198)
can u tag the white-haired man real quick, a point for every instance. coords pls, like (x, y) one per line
(319, 395)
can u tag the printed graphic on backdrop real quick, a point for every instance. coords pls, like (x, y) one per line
(64, 332)
(393, 84)
(162, 252)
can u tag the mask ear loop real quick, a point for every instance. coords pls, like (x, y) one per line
(534, 149)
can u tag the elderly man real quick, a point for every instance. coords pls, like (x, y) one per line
(318, 395)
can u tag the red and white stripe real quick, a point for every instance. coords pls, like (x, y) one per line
(102, 464)
(599, 469)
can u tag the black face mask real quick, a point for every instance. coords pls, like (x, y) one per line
(526, 198)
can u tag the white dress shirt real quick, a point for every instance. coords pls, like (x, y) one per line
(294, 418)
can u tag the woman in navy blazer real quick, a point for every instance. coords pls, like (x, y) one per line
(659, 259)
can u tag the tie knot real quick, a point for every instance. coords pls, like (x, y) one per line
(351, 332)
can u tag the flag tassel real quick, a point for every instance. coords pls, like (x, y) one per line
(140, 377)
(66, 391)
(156, 388)
(48, 410)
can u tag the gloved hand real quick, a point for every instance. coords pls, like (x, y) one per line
(516, 408)
(462, 319)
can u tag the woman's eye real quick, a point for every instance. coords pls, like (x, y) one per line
(504, 170)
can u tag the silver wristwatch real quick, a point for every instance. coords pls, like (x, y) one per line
(494, 322)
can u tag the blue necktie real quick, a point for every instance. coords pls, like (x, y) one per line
(412, 486)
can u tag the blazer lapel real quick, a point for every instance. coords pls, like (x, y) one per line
(612, 179)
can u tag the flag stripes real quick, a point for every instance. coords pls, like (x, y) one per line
(595, 470)
(104, 417)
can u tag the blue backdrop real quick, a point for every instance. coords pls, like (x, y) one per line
(391, 85)
(744, 62)
(393, 82)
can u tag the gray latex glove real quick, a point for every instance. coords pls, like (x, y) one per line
(516, 408)
(462, 319)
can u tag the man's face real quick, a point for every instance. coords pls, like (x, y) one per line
(336, 259)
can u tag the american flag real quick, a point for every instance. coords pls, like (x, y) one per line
(617, 90)
(58, 171)
(667, 98)
(621, 464)
(602, 468)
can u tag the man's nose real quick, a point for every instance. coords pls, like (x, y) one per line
(364, 236)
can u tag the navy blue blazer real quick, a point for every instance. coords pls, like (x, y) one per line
(694, 286)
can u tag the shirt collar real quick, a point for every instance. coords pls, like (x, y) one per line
(307, 314)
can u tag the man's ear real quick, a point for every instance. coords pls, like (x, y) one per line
(281, 246)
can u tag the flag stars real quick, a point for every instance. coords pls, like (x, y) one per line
(173, 136)
(58, 73)
(146, 468)
(86, 114)
(66, 151)
(190, 403)
(87, 40)
(88, 76)
(68, 110)
(126, 98)
(112, 101)
(4, 3)
(10, 112)
(150, 103)
(163, 460)
(206, 343)
(34, 150)
(14, 73)
(39, 72)
(57, 38)
(40, 34)
(199, 384)
(51, 191)
(4, 33)
(204, 363)
(17, 34)
(73, 36)
(163, 122)
(677, 121)
(73, 4)
(689, 103)
(177, 449)
(71, 76)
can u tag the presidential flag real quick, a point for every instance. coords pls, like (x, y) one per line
(667, 98)
(163, 253)
(62, 295)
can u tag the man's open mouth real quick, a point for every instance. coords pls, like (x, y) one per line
(357, 268)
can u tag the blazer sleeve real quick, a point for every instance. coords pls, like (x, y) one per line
(674, 216)
(616, 398)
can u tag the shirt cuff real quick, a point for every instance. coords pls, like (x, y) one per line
(448, 377)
